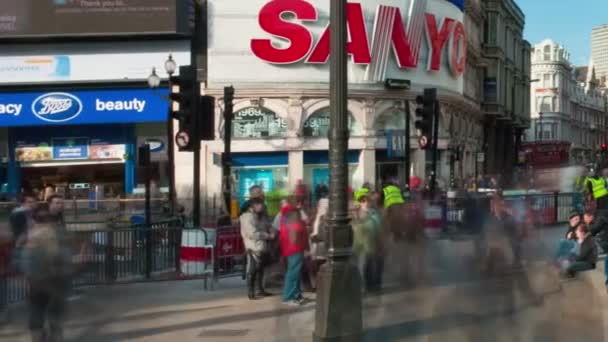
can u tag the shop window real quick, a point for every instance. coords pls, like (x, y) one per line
(258, 122)
(317, 125)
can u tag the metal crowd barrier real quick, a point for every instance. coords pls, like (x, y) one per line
(547, 208)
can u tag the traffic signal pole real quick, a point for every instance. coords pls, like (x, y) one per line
(433, 187)
(194, 49)
(407, 146)
(227, 157)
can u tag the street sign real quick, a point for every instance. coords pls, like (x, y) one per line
(481, 157)
(423, 142)
(182, 139)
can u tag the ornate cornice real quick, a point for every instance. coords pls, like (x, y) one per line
(368, 97)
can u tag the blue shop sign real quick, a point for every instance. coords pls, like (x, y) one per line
(82, 107)
(70, 148)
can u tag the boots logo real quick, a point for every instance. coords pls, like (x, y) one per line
(57, 107)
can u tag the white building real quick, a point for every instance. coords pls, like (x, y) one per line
(281, 92)
(599, 51)
(566, 104)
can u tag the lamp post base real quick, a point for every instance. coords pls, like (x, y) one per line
(338, 312)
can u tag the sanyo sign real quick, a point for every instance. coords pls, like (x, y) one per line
(400, 31)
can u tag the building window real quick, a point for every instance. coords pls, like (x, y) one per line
(393, 120)
(545, 105)
(547, 53)
(546, 81)
(317, 125)
(258, 122)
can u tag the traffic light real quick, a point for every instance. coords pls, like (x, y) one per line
(189, 89)
(207, 117)
(604, 147)
(425, 112)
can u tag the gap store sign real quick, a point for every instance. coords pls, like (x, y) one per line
(82, 107)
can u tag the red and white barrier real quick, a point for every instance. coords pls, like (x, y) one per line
(196, 256)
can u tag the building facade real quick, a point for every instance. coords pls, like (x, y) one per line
(74, 109)
(566, 103)
(599, 52)
(506, 84)
(281, 82)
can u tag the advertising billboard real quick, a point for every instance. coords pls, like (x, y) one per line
(424, 41)
(48, 18)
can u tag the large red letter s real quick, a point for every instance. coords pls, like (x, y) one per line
(299, 37)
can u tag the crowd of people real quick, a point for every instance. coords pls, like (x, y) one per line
(42, 252)
(296, 237)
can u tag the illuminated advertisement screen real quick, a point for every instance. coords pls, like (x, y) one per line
(42, 18)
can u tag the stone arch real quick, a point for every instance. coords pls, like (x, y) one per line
(317, 107)
(258, 121)
(386, 109)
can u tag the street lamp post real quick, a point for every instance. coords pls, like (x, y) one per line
(338, 310)
(154, 82)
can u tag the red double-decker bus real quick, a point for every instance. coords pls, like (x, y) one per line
(549, 154)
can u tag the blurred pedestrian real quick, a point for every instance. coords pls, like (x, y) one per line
(367, 241)
(598, 227)
(318, 250)
(294, 242)
(256, 234)
(21, 222)
(47, 266)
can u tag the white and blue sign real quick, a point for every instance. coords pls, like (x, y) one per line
(82, 107)
(70, 148)
(156, 145)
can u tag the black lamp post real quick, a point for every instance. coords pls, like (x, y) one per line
(338, 310)
(154, 82)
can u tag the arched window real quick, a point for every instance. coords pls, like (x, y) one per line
(257, 122)
(392, 120)
(547, 54)
(317, 125)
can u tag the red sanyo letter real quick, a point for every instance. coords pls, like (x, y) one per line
(404, 51)
(437, 40)
(458, 50)
(299, 37)
(358, 46)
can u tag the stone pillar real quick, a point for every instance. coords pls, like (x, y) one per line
(295, 168)
(368, 161)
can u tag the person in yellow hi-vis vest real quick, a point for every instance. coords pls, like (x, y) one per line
(595, 186)
(392, 195)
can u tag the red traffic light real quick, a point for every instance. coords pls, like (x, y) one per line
(604, 146)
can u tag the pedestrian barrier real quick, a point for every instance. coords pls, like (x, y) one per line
(435, 215)
(229, 252)
(196, 255)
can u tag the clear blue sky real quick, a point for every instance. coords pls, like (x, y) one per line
(567, 22)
